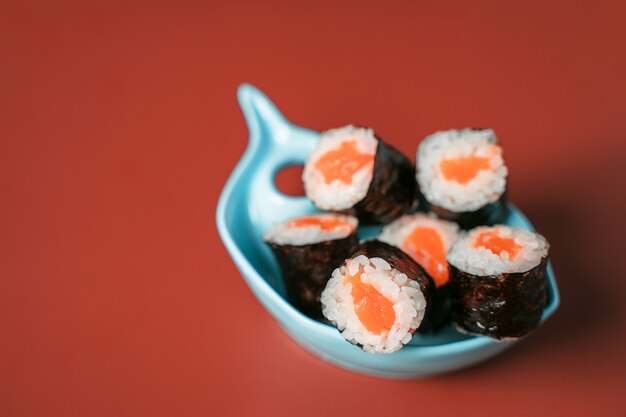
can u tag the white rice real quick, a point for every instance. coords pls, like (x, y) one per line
(283, 234)
(396, 232)
(481, 261)
(408, 301)
(488, 185)
(337, 195)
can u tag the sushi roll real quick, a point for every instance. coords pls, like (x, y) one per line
(308, 249)
(498, 281)
(353, 171)
(377, 298)
(427, 240)
(462, 177)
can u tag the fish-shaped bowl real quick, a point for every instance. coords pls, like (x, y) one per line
(250, 203)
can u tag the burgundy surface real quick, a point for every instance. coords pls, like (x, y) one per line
(119, 126)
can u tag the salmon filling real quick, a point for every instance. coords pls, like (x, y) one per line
(373, 309)
(464, 168)
(325, 223)
(341, 164)
(497, 244)
(425, 246)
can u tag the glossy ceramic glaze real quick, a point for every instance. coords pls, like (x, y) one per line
(250, 203)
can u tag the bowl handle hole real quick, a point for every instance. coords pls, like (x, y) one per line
(288, 180)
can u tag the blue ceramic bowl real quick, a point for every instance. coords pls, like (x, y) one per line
(250, 203)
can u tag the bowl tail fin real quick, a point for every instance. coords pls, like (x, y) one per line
(265, 122)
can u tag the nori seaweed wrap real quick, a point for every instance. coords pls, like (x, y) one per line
(498, 281)
(500, 306)
(438, 311)
(392, 191)
(307, 254)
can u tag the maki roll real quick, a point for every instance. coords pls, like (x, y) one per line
(377, 298)
(427, 240)
(462, 177)
(353, 171)
(498, 281)
(308, 249)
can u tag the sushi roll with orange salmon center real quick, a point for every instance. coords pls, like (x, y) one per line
(498, 281)
(462, 177)
(353, 171)
(377, 298)
(427, 240)
(308, 249)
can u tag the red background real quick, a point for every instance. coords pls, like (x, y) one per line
(119, 126)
